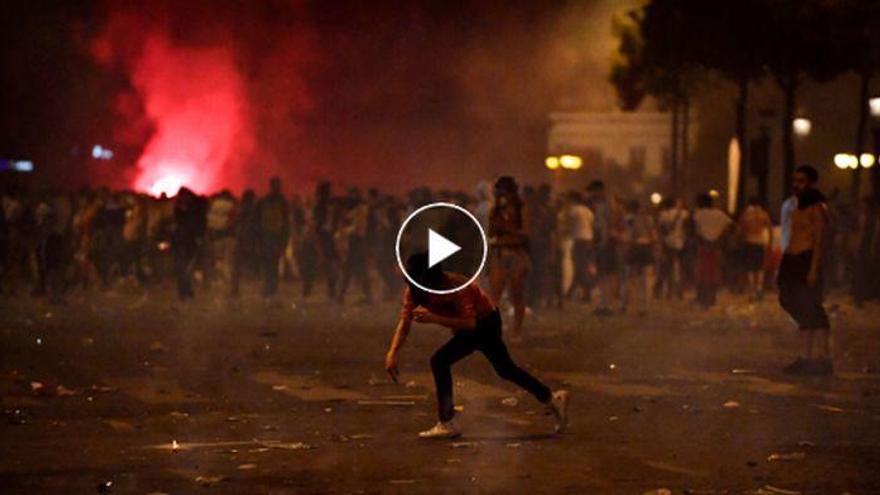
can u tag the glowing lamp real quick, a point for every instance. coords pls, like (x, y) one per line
(552, 162)
(867, 160)
(570, 162)
(802, 126)
(874, 105)
(714, 194)
(844, 161)
(656, 198)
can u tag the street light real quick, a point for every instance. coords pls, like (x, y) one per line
(802, 126)
(570, 162)
(867, 160)
(656, 198)
(552, 162)
(874, 105)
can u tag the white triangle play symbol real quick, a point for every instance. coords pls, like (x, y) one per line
(439, 248)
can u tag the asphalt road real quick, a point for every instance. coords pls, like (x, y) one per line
(292, 399)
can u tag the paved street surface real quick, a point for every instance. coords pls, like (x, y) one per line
(293, 399)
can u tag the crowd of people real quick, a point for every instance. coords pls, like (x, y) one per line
(586, 246)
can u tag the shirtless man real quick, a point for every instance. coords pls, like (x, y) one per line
(755, 229)
(800, 283)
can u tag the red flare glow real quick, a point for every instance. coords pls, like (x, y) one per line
(196, 99)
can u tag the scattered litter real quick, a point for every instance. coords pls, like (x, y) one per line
(770, 489)
(385, 403)
(178, 415)
(731, 404)
(246, 467)
(104, 487)
(613, 418)
(411, 384)
(360, 436)
(791, 456)
(514, 445)
(828, 408)
(210, 480)
(233, 419)
(510, 402)
(276, 444)
(15, 417)
(62, 391)
(119, 425)
(279, 388)
(405, 397)
(742, 371)
(463, 445)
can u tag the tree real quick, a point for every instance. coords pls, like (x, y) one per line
(655, 57)
(799, 45)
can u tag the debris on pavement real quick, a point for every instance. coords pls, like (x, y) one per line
(277, 444)
(104, 487)
(743, 371)
(208, 481)
(386, 403)
(774, 490)
(15, 417)
(510, 402)
(790, 456)
(514, 445)
(463, 445)
(246, 467)
(731, 404)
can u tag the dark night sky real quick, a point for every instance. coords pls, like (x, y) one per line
(417, 87)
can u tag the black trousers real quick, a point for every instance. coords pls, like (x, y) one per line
(802, 302)
(486, 338)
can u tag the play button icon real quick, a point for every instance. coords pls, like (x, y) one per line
(439, 248)
(451, 237)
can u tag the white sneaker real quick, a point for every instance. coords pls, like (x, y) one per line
(558, 405)
(443, 429)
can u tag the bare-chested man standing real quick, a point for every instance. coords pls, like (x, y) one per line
(800, 283)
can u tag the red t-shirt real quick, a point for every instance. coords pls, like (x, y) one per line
(469, 302)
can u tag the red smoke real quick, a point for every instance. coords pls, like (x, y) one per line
(202, 109)
(199, 106)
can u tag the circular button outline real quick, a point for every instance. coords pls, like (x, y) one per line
(442, 204)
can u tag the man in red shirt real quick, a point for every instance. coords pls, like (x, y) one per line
(476, 326)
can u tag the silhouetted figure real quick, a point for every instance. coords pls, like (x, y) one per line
(274, 228)
(190, 213)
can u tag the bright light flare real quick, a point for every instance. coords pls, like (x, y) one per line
(552, 162)
(802, 126)
(570, 162)
(167, 185)
(867, 160)
(874, 105)
(656, 198)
